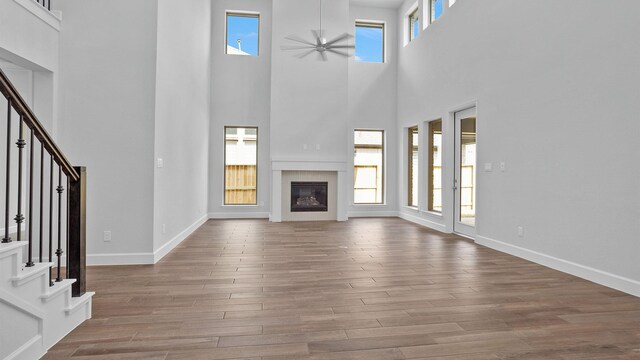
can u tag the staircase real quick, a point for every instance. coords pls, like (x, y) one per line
(33, 314)
(43, 235)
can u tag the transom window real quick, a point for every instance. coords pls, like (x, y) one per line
(414, 24)
(240, 165)
(243, 34)
(368, 167)
(435, 9)
(369, 42)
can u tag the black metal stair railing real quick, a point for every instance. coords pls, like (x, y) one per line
(66, 220)
(45, 3)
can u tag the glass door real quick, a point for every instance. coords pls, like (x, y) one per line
(465, 173)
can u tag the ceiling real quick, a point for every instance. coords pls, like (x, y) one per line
(393, 4)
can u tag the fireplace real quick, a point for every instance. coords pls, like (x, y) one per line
(309, 196)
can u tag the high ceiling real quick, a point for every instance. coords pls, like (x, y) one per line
(394, 4)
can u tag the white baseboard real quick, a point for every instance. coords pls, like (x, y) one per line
(373, 214)
(613, 281)
(119, 259)
(166, 248)
(243, 215)
(422, 221)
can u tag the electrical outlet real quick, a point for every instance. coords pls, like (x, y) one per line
(520, 231)
(503, 166)
(164, 228)
(106, 237)
(160, 163)
(488, 167)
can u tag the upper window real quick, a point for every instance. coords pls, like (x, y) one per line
(369, 42)
(435, 9)
(243, 34)
(414, 24)
(368, 167)
(412, 174)
(240, 165)
(435, 166)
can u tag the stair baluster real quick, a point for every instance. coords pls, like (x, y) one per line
(21, 143)
(30, 262)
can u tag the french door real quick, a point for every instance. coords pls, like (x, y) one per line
(464, 186)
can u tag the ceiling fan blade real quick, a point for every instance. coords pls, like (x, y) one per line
(341, 53)
(323, 54)
(340, 38)
(317, 36)
(300, 40)
(305, 54)
(341, 47)
(289, 47)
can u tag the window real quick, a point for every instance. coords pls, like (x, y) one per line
(435, 9)
(243, 34)
(368, 167)
(435, 166)
(240, 165)
(414, 24)
(369, 42)
(413, 167)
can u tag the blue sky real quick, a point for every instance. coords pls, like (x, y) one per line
(369, 44)
(246, 29)
(438, 7)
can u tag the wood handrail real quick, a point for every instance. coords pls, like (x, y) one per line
(30, 119)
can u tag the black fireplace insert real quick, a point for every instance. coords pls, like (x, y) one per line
(309, 196)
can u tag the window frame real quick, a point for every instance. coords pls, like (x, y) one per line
(382, 171)
(410, 169)
(224, 163)
(431, 166)
(414, 13)
(376, 25)
(237, 13)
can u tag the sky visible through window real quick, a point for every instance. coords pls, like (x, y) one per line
(369, 43)
(437, 9)
(246, 29)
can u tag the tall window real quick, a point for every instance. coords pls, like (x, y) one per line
(369, 42)
(368, 167)
(414, 24)
(413, 167)
(240, 165)
(243, 34)
(435, 9)
(435, 166)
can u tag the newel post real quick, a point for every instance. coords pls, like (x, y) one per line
(76, 252)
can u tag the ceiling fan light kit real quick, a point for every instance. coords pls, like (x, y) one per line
(319, 45)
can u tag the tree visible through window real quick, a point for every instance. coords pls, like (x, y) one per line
(243, 34)
(369, 42)
(368, 167)
(240, 166)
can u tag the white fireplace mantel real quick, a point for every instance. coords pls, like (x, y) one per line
(278, 166)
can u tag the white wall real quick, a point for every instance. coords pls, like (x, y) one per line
(240, 96)
(182, 118)
(26, 39)
(373, 105)
(309, 97)
(556, 86)
(108, 72)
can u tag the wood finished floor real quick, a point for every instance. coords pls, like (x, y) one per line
(364, 289)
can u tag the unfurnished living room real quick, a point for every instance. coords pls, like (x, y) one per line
(319, 179)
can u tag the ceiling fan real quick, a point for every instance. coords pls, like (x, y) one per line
(320, 45)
